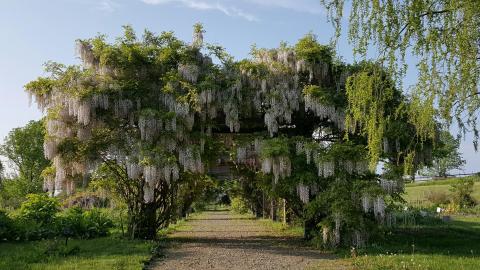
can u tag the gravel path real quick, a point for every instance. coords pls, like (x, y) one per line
(222, 240)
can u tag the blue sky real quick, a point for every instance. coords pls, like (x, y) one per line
(36, 31)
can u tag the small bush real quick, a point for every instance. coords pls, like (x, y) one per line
(75, 222)
(39, 208)
(7, 227)
(462, 193)
(97, 223)
(238, 205)
(437, 197)
(36, 217)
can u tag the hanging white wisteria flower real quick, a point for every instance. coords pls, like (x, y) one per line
(379, 207)
(326, 168)
(358, 239)
(389, 186)
(366, 203)
(303, 193)
(241, 154)
(280, 167)
(151, 175)
(134, 170)
(336, 232)
(148, 193)
(189, 72)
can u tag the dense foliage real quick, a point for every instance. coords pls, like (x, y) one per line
(443, 36)
(40, 217)
(150, 117)
(23, 147)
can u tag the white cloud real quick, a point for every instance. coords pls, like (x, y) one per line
(228, 10)
(306, 6)
(108, 6)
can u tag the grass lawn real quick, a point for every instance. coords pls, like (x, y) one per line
(449, 245)
(416, 193)
(452, 245)
(100, 253)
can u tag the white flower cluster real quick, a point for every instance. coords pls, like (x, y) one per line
(325, 111)
(231, 116)
(151, 175)
(49, 148)
(390, 186)
(336, 232)
(358, 239)
(280, 166)
(85, 52)
(326, 168)
(149, 127)
(171, 173)
(366, 203)
(134, 170)
(241, 154)
(303, 192)
(190, 160)
(379, 207)
(258, 146)
(148, 193)
(271, 123)
(189, 72)
(122, 107)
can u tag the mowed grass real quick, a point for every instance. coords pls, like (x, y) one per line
(444, 246)
(100, 253)
(452, 245)
(416, 193)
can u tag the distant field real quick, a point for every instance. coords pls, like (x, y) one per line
(416, 193)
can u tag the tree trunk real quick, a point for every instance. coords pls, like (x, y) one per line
(144, 225)
(309, 229)
(258, 208)
(273, 209)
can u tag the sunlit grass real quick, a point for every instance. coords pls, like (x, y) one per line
(416, 193)
(99, 253)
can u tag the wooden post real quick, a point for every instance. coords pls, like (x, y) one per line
(273, 209)
(263, 205)
(284, 212)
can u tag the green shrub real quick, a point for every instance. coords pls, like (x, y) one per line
(238, 205)
(75, 222)
(97, 223)
(36, 217)
(7, 227)
(39, 208)
(438, 197)
(462, 193)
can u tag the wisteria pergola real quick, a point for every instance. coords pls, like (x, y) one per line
(154, 110)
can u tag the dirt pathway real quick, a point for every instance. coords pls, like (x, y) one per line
(222, 240)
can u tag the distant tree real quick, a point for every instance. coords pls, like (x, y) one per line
(462, 193)
(445, 156)
(24, 147)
